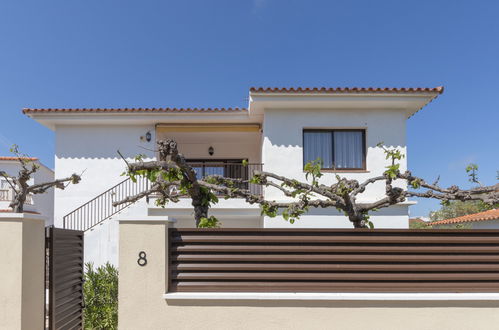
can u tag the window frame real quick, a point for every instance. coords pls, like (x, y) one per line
(332, 130)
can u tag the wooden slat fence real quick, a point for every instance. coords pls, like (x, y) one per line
(333, 260)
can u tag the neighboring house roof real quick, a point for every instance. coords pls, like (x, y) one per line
(347, 90)
(10, 158)
(135, 110)
(416, 220)
(481, 216)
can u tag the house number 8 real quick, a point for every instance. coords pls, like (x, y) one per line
(142, 261)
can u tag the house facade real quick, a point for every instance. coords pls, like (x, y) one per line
(281, 130)
(42, 204)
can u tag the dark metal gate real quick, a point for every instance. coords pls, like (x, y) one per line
(64, 278)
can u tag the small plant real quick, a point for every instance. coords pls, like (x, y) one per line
(101, 297)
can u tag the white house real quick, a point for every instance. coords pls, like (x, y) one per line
(281, 129)
(42, 204)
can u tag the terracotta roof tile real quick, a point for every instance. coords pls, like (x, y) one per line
(416, 220)
(481, 216)
(346, 90)
(311, 90)
(15, 158)
(134, 110)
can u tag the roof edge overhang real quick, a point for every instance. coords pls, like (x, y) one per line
(410, 100)
(53, 118)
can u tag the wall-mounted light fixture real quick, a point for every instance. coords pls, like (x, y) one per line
(211, 151)
(148, 136)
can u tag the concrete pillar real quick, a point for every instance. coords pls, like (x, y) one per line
(141, 288)
(22, 271)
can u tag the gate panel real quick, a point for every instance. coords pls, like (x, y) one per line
(65, 278)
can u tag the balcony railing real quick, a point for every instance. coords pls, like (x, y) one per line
(229, 169)
(6, 195)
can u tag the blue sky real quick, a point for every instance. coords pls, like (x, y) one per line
(98, 53)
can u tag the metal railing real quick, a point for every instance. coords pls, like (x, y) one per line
(230, 170)
(101, 207)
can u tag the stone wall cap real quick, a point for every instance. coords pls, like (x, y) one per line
(145, 219)
(365, 296)
(21, 216)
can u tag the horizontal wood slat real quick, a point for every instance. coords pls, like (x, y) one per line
(333, 260)
(337, 257)
(337, 239)
(369, 267)
(302, 248)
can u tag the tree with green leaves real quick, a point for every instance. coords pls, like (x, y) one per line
(455, 209)
(458, 208)
(20, 183)
(172, 177)
(100, 290)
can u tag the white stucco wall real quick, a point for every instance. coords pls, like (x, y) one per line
(390, 217)
(92, 150)
(44, 203)
(282, 153)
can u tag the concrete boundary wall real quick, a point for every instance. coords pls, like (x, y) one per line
(143, 303)
(22, 271)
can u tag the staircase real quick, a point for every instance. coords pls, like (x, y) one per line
(101, 207)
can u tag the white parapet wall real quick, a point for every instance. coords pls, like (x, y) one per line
(22, 270)
(144, 302)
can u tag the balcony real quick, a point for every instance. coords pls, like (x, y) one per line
(7, 194)
(234, 169)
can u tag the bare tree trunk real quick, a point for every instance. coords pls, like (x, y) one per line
(358, 222)
(199, 212)
(17, 203)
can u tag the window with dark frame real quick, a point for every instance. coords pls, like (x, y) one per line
(338, 149)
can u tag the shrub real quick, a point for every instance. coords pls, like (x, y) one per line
(101, 297)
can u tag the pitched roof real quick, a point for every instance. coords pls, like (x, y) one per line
(134, 110)
(277, 90)
(347, 90)
(416, 220)
(15, 158)
(481, 216)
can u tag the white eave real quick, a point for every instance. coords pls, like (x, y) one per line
(52, 119)
(410, 103)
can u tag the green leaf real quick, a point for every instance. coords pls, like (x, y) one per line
(210, 222)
